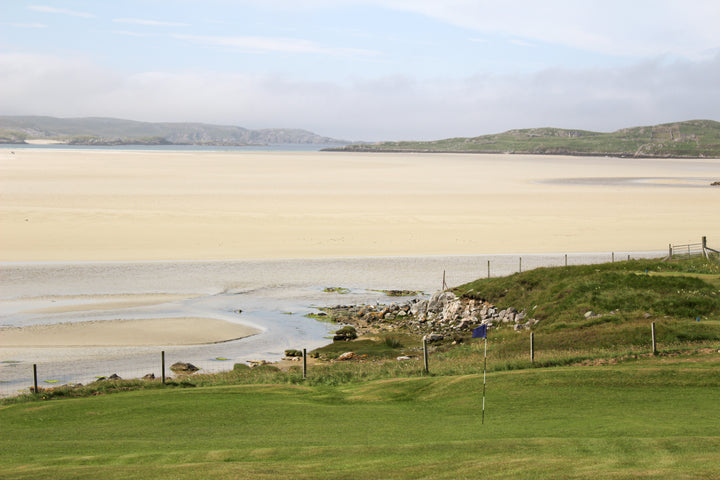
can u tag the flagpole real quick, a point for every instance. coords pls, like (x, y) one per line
(484, 369)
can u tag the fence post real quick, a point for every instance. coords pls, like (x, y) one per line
(654, 345)
(488, 268)
(669, 251)
(35, 377)
(613, 257)
(532, 347)
(304, 363)
(162, 361)
(566, 259)
(425, 355)
(520, 266)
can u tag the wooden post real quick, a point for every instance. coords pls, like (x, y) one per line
(162, 362)
(566, 259)
(532, 347)
(425, 355)
(654, 345)
(488, 268)
(612, 257)
(669, 251)
(444, 285)
(304, 363)
(628, 257)
(520, 265)
(704, 248)
(35, 377)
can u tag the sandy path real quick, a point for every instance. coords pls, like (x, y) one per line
(139, 205)
(137, 332)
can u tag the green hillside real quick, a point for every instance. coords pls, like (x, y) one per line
(694, 138)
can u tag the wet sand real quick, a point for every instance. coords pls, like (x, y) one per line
(121, 333)
(85, 205)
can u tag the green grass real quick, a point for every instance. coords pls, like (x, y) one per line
(656, 418)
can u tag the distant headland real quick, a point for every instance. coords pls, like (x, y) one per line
(113, 131)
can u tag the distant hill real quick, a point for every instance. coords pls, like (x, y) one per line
(692, 139)
(113, 131)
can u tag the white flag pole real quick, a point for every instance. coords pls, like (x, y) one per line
(484, 369)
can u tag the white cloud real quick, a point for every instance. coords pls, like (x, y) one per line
(150, 23)
(63, 11)
(617, 27)
(396, 107)
(25, 25)
(271, 44)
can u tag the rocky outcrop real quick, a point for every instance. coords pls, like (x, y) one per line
(442, 313)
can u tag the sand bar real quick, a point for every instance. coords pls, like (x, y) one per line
(88, 205)
(137, 332)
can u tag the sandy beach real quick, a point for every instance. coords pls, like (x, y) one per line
(89, 205)
(84, 205)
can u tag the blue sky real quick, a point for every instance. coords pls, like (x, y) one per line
(365, 69)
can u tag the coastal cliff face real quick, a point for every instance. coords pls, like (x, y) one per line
(442, 314)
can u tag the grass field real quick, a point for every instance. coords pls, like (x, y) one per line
(595, 404)
(652, 418)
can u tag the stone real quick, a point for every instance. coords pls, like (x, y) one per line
(114, 376)
(403, 357)
(149, 376)
(589, 314)
(434, 337)
(347, 356)
(181, 367)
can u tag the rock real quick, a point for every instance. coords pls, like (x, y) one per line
(114, 376)
(439, 300)
(434, 337)
(403, 357)
(589, 314)
(347, 356)
(149, 376)
(181, 367)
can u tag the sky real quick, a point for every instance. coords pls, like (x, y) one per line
(366, 70)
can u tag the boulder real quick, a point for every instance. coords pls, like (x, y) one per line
(347, 356)
(182, 367)
(149, 376)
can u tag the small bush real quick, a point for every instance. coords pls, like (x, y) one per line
(393, 342)
(293, 353)
(241, 367)
(346, 333)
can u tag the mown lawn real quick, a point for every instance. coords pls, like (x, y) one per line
(650, 418)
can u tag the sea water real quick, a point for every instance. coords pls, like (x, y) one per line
(273, 295)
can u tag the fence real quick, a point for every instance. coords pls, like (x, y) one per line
(691, 249)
